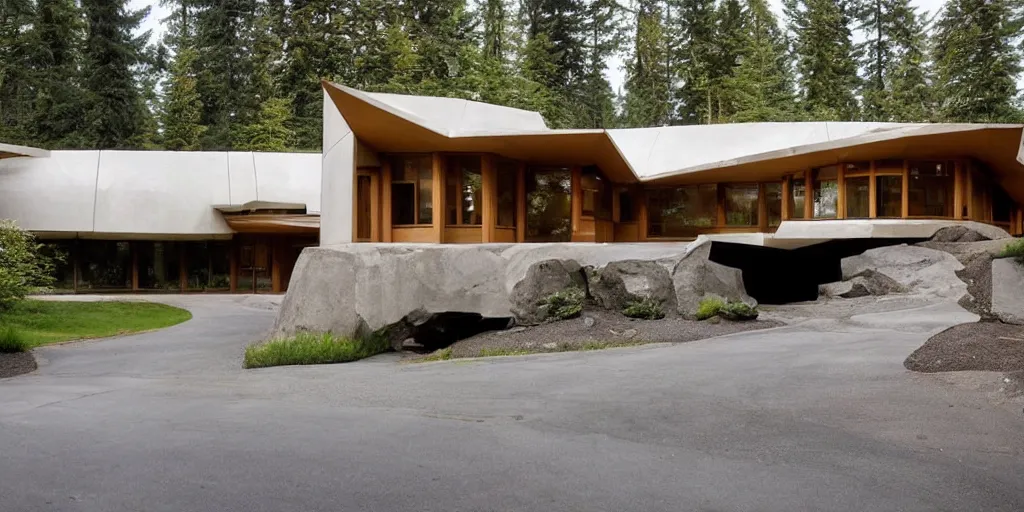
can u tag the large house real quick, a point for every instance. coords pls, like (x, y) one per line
(410, 169)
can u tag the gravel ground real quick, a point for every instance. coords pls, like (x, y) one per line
(986, 346)
(16, 364)
(610, 329)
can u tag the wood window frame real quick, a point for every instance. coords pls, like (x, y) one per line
(416, 190)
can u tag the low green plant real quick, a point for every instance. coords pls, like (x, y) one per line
(312, 348)
(1014, 249)
(565, 304)
(736, 310)
(646, 308)
(709, 307)
(496, 352)
(438, 355)
(12, 341)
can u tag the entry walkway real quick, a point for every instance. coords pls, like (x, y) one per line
(815, 416)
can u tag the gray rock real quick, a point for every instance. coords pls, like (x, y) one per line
(834, 290)
(550, 346)
(959, 233)
(588, 322)
(542, 279)
(629, 334)
(917, 269)
(696, 277)
(714, 320)
(1008, 291)
(620, 282)
(870, 282)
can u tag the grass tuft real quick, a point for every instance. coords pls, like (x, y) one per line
(646, 308)
(312, 348)
(1014, 249)
(443, 354)
(497, 352)
(11, 341)
(565, 304)
(709, 307)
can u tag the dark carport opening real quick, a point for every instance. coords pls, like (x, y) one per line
(443, 329)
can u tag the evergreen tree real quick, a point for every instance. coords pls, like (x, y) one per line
(647, 91)
(269, 131)
(115, 112)
(977, 60)
(895, 41)
(824, 57)
(691, 34)
(728, 42)
(912, 98)
(16, 106)
(555, 55)
(495, 20)
(761, 87)
(603, 28)
(182, 109)
(57, 35)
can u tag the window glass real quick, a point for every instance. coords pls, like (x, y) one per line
(507, 170)
(426, 195)
(889, 196)
(773, 196)
(412, 189)
(463, 190)
(596, 194)
(797, 196)
(627, 210)
(682, 211)
(1002, 205)
(548, 205)
(891, 165)
(208, 265)
(106, 264)
(62, 252)
(159, 265)
(363, 221)
(858, 197)
(857, 168)
(931, 188)
(741, 204)
(826, 192)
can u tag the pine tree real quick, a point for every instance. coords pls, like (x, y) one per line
(895, 41)
(761, 86)
(115, 109)
(495, 21)
(555, 55)
(647, 93)
(977, 61)
(728, 42)
(16, 106)
(182, 108)
(57, 36)
(269, 130)
(604, 36)
(825, 58)
(692, 43)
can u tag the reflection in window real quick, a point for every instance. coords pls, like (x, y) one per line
(797, 196)
(931, 188)
(741, 204)
(412, 189)
(105, 264)
(889, 196)
(683, 211)
(858, 197)
(463, 194)
(548, 205)
(208, 265)
(507, 193)
(596, 194)
(826, 192)
(773, 196)
(159, 265)
(62, 253)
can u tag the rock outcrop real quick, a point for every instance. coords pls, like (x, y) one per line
(1008, 291)
(400, 290)
(917, 269)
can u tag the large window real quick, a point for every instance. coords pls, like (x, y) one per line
(931, 188)
(463, 191)
(797, 196)
(858, 197)
(412, 190)
(627, 209)
(159, 265)
(507, 170)
(889, 196)
(681, 212)
(105, 264)
(596, 194)
(826, 192)
(741, 204)
(208, 265)
(62, 252)
(548, 205)
(773, 196)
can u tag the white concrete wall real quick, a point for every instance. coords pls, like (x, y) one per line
(241, 177)
(288, 178)
(55, 193)
(337, 177)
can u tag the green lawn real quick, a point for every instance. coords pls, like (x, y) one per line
(40, 322)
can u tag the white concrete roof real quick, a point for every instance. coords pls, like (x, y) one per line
(150, 192)
(455, 117)
(12, 151)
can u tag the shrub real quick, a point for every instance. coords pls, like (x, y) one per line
(646, 308)
(1015, 250)
(23, 268)
(709, 307)
(312, 348)
(739, 311)
(443, 354)
(12, 341)
(565, 304)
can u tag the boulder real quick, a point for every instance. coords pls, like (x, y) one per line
(834, 290)
(870, 282)
(1008, 291)
(543, 279)
(959, 234)
(917, 269)
(696, 277)
(620, 282)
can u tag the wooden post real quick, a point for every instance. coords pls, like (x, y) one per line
(809, 194)
(438, 198)
(872, 192)
(521, 203)
(958, 190)
(969, 197)
(375, 206)
(134, 247)
(576, 193)
(905, 210)
(385, 194)
(182, 266)
(720, 205)
(786, 193)
(489, 199)
(762, 208)
(641, 217)
(616, 205)
(841, 191)
(233, 264)
(276, 285)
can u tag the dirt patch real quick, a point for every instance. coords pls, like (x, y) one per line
(608, 329)
(985, 346)
(15, 364)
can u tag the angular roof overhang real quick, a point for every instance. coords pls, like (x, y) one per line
(14, 151)
(253, 206)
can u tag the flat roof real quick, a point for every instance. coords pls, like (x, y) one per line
(14, 151)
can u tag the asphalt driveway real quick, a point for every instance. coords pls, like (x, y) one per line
(816, 416)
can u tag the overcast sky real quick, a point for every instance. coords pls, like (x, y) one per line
(615, 73)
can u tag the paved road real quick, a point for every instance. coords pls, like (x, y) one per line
(819, 416)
